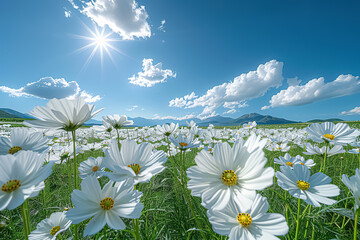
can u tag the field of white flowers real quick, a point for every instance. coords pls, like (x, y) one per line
(60, 180)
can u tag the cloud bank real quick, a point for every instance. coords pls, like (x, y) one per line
(353, 111)
(124, 17)
(151, 74)
(230, 94)
(49, 88)
(315, 90)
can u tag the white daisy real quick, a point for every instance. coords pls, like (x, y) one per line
(64, 114)
(91, 167)
(313, 190)
(134, 162)
(242, 221)
(23, 139)
(315, 150)
(21, 176)
(166, 129)
(184, 142)
(50, 228)
(106, 206)
(230, 172)
(339, 134)
(117, 121)
(354, 186)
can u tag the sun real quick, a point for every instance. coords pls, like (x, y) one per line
(99, 41)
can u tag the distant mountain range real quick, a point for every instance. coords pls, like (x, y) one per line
(216, 120)
(141, 122)
(10, 113)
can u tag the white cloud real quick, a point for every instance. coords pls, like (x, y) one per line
(231, 111)
(151, 74)
(189, 116)
(353, 111)
(67, 13)
(315, 90)
(49, 88)
(132, 108)
(124, 17)
(181, 102)
(162, 26)
(245, 86)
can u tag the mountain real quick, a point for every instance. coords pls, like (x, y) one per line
(326, 120)
(15, 114)
(216, 120)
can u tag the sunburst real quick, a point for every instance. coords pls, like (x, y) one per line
(98, 41)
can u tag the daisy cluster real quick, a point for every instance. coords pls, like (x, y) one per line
(230, 172)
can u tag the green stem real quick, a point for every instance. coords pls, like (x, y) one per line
(356, 223)
(324, 166)
(75, 175)
(118, 138)
(297, 220)
(307, 223)
(26, 218)
(136, 226)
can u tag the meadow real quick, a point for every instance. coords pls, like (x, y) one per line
(167, 213)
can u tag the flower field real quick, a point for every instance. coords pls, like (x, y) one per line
(60, 180)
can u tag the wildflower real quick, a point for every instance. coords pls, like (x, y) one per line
(23, 139)
(106, 205)
(184, 142)
(21, 176)
(91, 167)
(116, 121)
(315, 150)
(354, 186)
(339, 134)
(313, 189)
(230, 172)
(134, 162)
(64, 114)
(50, 228)
(166, 129)
(241, 221)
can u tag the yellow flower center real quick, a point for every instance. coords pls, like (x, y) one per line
(136, 167)
(95, 168)
(290, 164)
(209, 149)
(303, 185)
(302, 163)
(54, 230)
(248, 126)
(14, 149)
(11, 186)
(279, 148)
(107, 203)
(182, 144)
(229, 178)
(329, 136)
(244, 219)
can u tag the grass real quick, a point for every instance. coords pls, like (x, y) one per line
(166, 214)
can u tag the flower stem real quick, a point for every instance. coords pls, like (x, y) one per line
(356, 223)
(297, 220)
(118, 138)
(26, 218)
(136, 225)
(307, 223)
(75, 175)
(74, 161)
(323, 170)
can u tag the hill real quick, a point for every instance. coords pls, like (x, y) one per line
(326, 120)
(141, 122)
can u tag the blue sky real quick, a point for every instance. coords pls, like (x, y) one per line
(203, 48)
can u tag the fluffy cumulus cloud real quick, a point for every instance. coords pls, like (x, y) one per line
(132, 108)
(235, 93)
(354, 111)
(188, 116)
(49, 88)
(124, 17)
(151, 74)
(315, 90)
